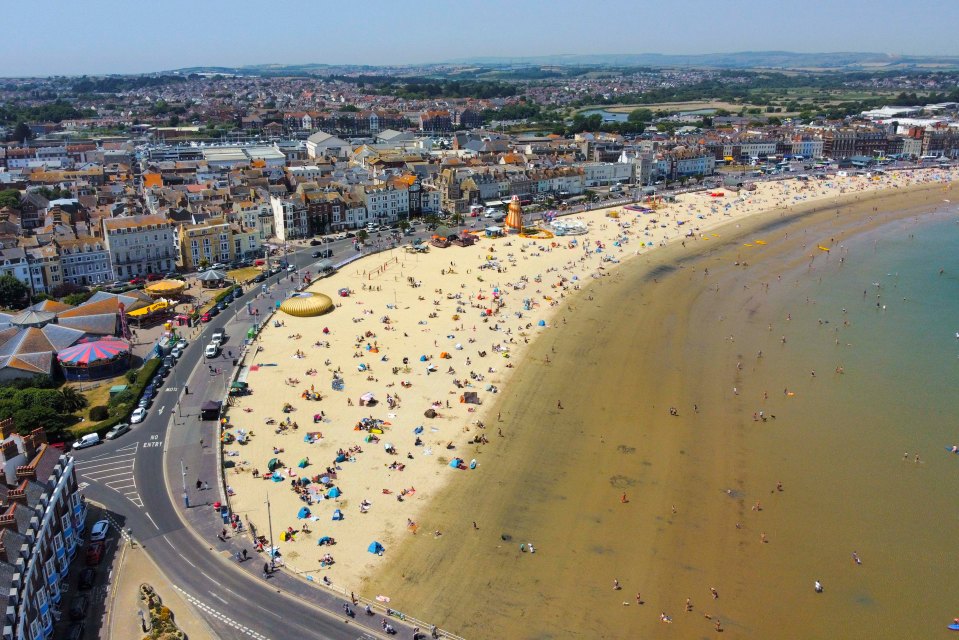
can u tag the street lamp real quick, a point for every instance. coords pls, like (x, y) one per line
(269, 519)
(186, 496)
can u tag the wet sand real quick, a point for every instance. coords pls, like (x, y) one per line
(656, 334)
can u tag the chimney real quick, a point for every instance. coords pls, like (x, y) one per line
(6, 428)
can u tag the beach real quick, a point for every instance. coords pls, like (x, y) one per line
(578, 451)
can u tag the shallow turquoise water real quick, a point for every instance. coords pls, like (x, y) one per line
(838, 442)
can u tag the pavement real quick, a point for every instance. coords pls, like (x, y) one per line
(133, 568)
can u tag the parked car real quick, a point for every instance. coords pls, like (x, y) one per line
(218, 337)
(76, 631)
(182, 345)
(172, 275)
(169, 361)
(101, 528)
(176, 353)
(162, 372)
(118, 430)
(206, 317)
(137, 281)
(145, 402)
(138, 415)
(88, 440)
(323, 253)
(94, 554)
(259, 277)
(291, 268)
(214, 311)
(87, 577)
(219, 266)
(212, 350)
(153, 277)
(221, 305)
(79, 606)
(314, 242)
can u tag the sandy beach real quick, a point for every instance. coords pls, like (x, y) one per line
(418, 332)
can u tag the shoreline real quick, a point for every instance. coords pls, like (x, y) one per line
(420, 577)
(436, 477)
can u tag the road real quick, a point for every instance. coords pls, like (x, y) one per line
(126, 475)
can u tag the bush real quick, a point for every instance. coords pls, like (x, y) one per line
(99, 413)
(121, 404)
(219, 297)
(131, 375)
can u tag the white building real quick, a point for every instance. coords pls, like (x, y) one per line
(597, 174)
(140, 245)
(13, 262)
(289, 218)
(387, 204)
(322, 144)
(85, 261)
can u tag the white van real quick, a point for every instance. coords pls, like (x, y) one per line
(87, 441)
(212, 350)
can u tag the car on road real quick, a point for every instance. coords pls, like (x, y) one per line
(94, 554)
(76, 631)
(176, 353)
(118, 430)
(162, 372)
(87, 577)
(172, 275)
(169, 361)
(260, 277)
(323, 253)
(221, 305)
(206, 317)
(137, 281)
(153, 277)
(291, 268)
(315, 242)
(218, 337)
(214, 311)
(79, 606)
(88, 440)
(100, 529)
(212, 350)
(182, 345)
(145, 402)
(138, 415)
(219, 266)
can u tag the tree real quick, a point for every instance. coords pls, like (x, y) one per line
(362, 235)
(403, 225)
(13, 293)
(174, 120)
(9, 198)
(640, 115)
(432, 220)
(22, 132)
(72, 399)
(457, 218)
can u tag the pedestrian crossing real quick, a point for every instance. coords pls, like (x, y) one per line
(115, 471)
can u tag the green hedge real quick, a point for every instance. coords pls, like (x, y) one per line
(219, 297)
(144, 375)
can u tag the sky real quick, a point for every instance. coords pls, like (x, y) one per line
(72, 37)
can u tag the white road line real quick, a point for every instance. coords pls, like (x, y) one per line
(219, 616)
(218, 598)
(126, 459)
(162, 409)
(157, 528)
(99, 478)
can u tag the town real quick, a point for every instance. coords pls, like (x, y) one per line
(151, 203)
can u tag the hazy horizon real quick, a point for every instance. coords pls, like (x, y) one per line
(109, 38)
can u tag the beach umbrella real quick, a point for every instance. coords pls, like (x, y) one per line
(366, 397)
(325, 480)
(387, 446)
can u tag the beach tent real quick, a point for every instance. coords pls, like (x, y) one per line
(333, 492)
(429, 413)
(337, 515)
(341, 457)
(274, 464)
(376, 547)
(455, 463)
(471, 397)
(324, 540)
(302, 463)
(303, 513)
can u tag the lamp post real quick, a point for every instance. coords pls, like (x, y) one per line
(186, 496)
(269, 520)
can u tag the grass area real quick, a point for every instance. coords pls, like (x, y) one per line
(244, 274)
(98, 395)
(676, 106)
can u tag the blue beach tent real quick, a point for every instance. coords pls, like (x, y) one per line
(303, 513)
(376, 547)
(337, 515)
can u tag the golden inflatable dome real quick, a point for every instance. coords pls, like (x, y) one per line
(165, 288)
(306, 304)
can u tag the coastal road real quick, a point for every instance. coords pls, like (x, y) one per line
(126, 475)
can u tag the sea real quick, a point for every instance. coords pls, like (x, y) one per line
(751, 414)
(845, 378)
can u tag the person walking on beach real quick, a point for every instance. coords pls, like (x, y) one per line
(559, 404)
(624, 499)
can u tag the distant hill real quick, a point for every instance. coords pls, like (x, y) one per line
(736, 60)
(839, 61)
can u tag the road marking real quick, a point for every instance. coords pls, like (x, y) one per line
(162, 409)
(218, 597)
(114, 471)
(154, 523)
(219, 616)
